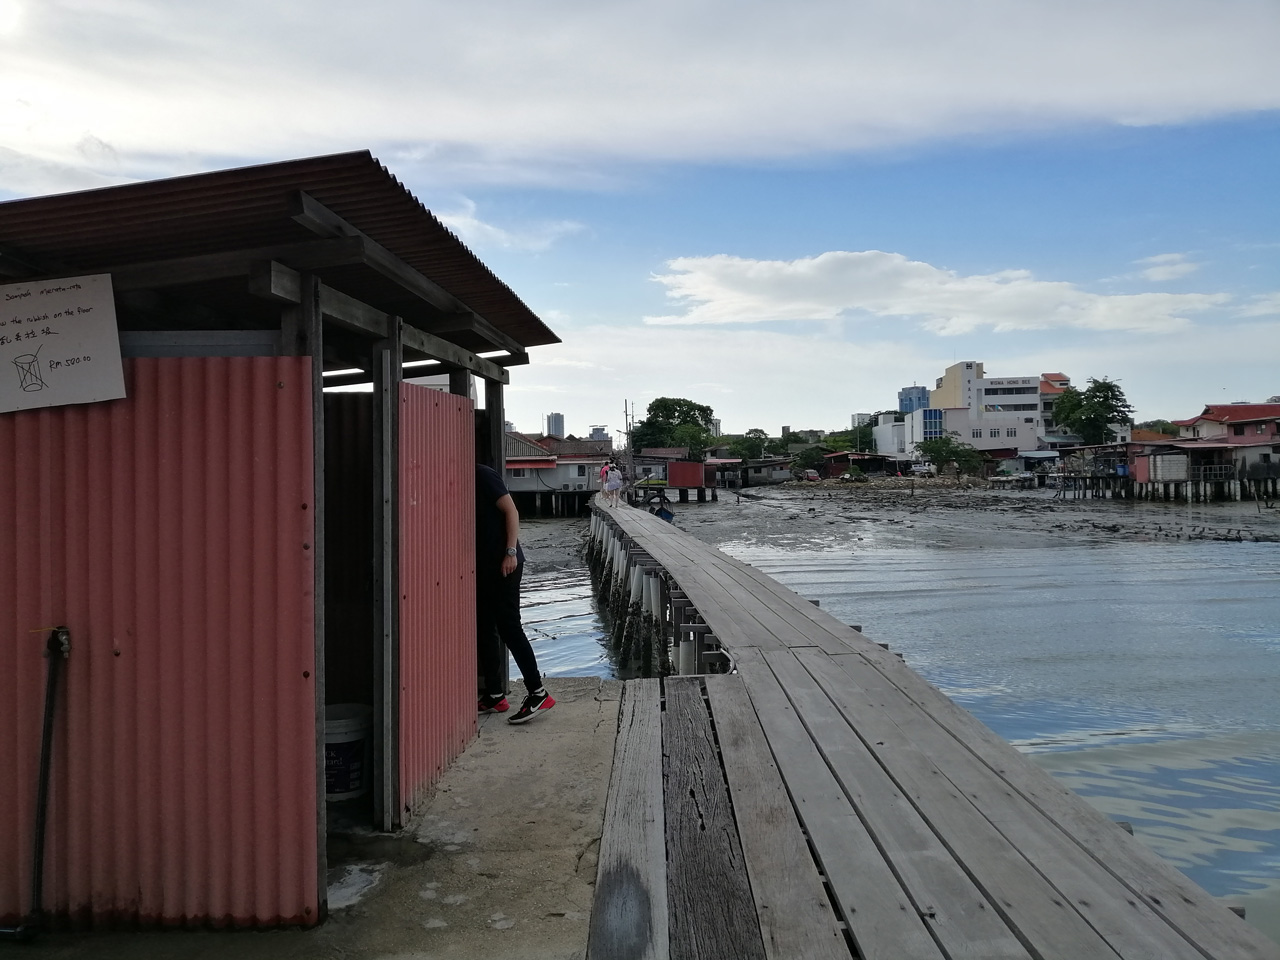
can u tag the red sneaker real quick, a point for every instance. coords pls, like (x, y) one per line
(533, 704)
(490, 703)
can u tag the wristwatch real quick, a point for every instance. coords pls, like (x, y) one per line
(511, 551)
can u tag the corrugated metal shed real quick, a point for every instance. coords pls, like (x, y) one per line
(171, 532)
(437, 585)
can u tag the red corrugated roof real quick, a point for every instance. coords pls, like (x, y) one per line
(1150, 436)
(1225, 441)
(92, 231)
(1236, 413)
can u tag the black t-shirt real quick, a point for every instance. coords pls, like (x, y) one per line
(491, 524)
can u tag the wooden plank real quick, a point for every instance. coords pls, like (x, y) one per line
(880, 916)
(965, 920)
(708, 893)
(1187, 908)
(704, 588)
(1057, 896)
(796, 918)
(629, 916)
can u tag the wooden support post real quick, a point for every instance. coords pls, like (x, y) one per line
(308, 339)
(460, 383)
(679, 606)
(494, 443)
(386, 366)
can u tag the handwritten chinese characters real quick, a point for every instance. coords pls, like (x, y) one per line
(58, 343)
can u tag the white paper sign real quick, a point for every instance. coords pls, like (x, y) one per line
(58, 343)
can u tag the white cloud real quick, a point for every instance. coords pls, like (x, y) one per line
(724, 289)
(500, 88)
(10, 16)
(1166, 266)
(483, 235)
(754, 380)
(764, 377)
(1263, 305)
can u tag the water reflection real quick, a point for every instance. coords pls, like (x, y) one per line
(561, 621)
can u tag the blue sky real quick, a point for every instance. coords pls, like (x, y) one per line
(784, 217)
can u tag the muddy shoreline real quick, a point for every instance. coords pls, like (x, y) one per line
(922, 511)
(941, 513)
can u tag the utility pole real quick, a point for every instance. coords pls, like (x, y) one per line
(628, 420)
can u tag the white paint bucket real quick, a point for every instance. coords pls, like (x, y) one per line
(348, 750)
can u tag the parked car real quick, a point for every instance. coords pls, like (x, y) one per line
(811, 475)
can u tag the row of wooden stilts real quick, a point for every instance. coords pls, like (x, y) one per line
(1084, 487)
(653, 628)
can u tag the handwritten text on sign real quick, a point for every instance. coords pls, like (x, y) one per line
(58, 343)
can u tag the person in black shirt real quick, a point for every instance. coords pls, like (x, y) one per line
(499, 567)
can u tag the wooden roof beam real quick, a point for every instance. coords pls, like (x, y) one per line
(18, 266)
(278, 282)
(312, 255)
(319, 219)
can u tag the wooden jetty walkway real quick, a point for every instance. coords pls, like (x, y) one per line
(824, 801)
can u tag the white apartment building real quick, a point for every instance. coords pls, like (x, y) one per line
(989, 413)
(994, 430)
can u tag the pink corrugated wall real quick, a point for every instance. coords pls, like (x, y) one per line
(171, 532)
(437, 585)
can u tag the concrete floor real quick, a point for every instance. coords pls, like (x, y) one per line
(501, 863)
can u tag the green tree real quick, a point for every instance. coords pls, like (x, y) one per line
(1090, 412)
(778, 445)
(811, 459)
(947, 450)
(1159, 426)
(750, 446)
(661, 427)
(690, 435)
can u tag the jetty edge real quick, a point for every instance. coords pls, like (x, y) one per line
(798, 791)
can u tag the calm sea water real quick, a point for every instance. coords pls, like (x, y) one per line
(1145, 675)
(560, 619)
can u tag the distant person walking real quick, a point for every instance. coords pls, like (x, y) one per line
(499, 567)
(612, 484)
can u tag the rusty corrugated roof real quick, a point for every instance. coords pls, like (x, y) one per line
(1236, 413)
(93, 231)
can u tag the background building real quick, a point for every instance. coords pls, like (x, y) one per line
(555, 424)
(910, 398)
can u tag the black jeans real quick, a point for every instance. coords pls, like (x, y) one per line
(498, 625)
